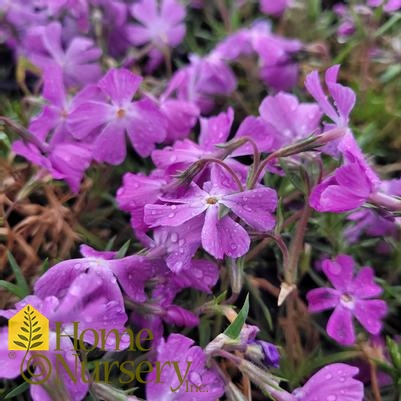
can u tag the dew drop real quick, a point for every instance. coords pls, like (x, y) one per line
(174, 237)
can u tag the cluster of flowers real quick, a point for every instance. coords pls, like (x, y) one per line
(200, 195)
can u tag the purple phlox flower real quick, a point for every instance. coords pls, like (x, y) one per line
(192, 360)
(20, 16)
(388, 6)
(343, 97)
(116, 114)
(375, 223)
(351, 185)
(90, 286)
(178, 244)
(161, 24)
(181, 115)
(351, 296)
(51, 124)
(288, 120)
(78, 61)
(276, 65)
(64, 161)
(346, 27)
(201, 80)
(63, 383)
(59, 153)
(214, 130)
(220, 235)
(199, 274)
(136, 191)
(347, 189)
(338, 111)
(334, 382)
(115, 16)
(275, 8)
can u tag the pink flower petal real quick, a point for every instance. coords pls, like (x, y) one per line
(340, 327)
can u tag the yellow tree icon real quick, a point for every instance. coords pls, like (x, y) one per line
(28, 330)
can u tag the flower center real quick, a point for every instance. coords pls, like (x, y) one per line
(120, 113)
(211, 201)
(346, 298)
(347, 301)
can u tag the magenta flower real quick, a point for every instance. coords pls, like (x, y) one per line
(178, 244)
(351, 296)
(287, 119)
(334, 382)
(108, 120)
(181, 349)
(202, 79)
(348, 189)
(388, 5)
(78, 61)
(106, 271)
(343, 97)
(136, 191)
(220, 235)
(64, 161)
(161, 24)
(275, 8)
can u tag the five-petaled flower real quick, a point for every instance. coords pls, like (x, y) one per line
(351, 296)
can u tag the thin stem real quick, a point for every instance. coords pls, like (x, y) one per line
(296, 247)
(374, 382)
(389, 202)
(25, 134)
(228, 169)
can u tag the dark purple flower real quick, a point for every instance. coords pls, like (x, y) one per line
(115, 115)
(351, 296)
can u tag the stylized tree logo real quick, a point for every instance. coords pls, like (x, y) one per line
(31, 329)
(28, 330)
